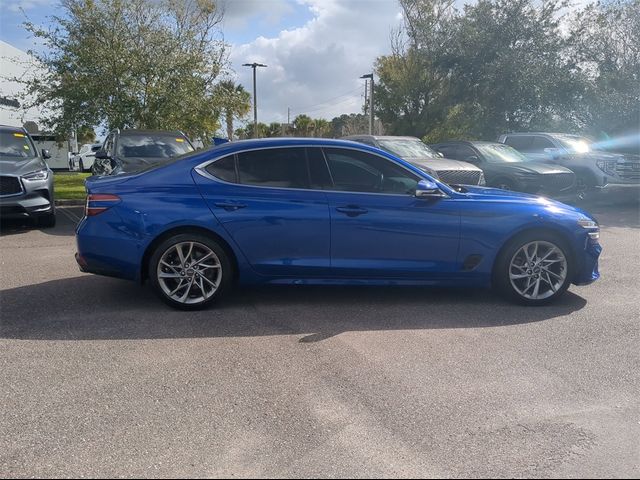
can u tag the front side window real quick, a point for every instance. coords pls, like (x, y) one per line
(540, 143)
(355, 171)
(574, 143)
(521, 143)
(274, 167)
(16, 145)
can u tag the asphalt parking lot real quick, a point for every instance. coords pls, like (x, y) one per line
(101, 379)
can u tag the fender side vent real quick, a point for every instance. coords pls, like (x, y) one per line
(471, 262)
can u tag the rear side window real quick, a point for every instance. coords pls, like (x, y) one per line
(540, 143)
(274, 167)
(224, 169)
(318, 170)
(520, 142)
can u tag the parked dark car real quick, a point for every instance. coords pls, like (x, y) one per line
(325, 212)
(508, 169)
(414, 151)
(595, 166)
(128, 151)
(26, 182)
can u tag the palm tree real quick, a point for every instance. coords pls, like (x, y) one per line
(302, 125)
(235, 102)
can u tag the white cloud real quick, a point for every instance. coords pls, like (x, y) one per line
(237, 13)
(320, 60)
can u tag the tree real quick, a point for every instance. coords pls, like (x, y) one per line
(302, 125)
(85, 134)
(321, 127)
(273, 130)
(235, 103)
(606, 42)
(135, 63)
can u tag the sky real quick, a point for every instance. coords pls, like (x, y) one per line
(315, 50)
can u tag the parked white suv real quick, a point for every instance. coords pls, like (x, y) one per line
(595, 168)
(83, 160)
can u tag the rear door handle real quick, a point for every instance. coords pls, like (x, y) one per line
(352, 210)
(230, 206)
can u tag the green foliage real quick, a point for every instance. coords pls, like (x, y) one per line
(235, 103)
(131, 63)
(85, 134)
(507, 65)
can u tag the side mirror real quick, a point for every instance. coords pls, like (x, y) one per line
(472, 159)
(46, 154)
(428, 189)
(102, 155)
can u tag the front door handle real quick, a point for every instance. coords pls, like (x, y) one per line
(230, 206)
(352, 210)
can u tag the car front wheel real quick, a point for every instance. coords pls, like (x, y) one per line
(535, 269)
(189, 271)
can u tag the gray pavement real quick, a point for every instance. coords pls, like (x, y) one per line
(99, 378)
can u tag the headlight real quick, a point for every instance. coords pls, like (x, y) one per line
(591, 225)
(39, 175)
(607, 166)
(482, 181)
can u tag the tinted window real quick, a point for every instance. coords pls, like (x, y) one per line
(224, 169)
(500, 153)
(274, 167)
(456, 152)
(521, 143)
(356, 171)
(16, 145)
(540, 143)
(152, 146)
(318, 171)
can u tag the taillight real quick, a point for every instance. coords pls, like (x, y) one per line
(99, 202)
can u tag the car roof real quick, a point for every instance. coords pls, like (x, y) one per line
(133, 131)
(13, 128)
(381, 137)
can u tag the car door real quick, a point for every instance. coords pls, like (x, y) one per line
(378, 227)
(264, 201)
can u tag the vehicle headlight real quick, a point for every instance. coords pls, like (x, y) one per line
(37, 176)
(591, 225)
(607, 166)
(482, 181)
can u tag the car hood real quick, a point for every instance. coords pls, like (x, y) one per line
(440, 164)
(498, 195)
(136, 164)
(595, 155)
(21, 166)
(533, 167)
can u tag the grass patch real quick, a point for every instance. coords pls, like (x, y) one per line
(70, 186)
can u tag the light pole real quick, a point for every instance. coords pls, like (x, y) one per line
(255, 99)
(370, 76)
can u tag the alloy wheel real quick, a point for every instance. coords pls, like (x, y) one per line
(538, 270)
(189, 272)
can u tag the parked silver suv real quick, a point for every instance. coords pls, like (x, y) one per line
(595, 168)
(414, 151)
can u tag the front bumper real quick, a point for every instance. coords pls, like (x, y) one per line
(588, 271)
(28, 205)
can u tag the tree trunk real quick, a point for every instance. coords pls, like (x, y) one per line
(229, 118)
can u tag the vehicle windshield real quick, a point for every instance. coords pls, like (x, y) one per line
(152, 146)
(16, 145)
(407, 148)
(575, 143)
(498, 153)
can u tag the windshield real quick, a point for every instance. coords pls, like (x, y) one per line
(407, 148)
(152, 146)
(16, 145)
(498, 153)
(575, 143)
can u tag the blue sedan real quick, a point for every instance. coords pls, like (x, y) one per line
(317, 211)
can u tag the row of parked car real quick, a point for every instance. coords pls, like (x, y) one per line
(551, 164)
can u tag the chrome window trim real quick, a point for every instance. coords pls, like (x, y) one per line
(201, 170)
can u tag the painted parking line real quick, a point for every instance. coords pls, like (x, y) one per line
(69, 214)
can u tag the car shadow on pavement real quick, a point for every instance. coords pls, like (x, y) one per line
(98, 308)
(65, 227)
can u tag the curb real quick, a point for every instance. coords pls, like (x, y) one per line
(70, 203)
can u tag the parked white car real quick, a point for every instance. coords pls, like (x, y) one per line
(83, 160)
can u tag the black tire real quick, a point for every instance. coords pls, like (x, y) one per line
(81, 166)
(47, 221)
(224, 281)
(502, 267)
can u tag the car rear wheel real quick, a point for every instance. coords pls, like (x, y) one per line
(534, 269)
(189, 271)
